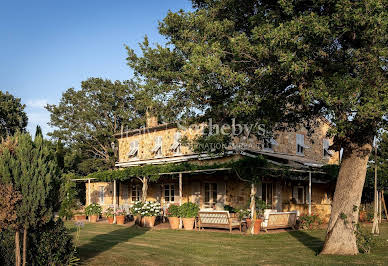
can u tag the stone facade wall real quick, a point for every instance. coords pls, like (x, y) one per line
(286, 141)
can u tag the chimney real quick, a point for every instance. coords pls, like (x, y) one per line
(151, 120)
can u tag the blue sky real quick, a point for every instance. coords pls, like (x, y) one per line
(48, 46)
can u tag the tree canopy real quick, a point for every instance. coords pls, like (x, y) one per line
(86, 119)
(12, 115)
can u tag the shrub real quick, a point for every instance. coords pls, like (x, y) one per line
(150, 208)
(93, 209)
(51, 244)
(7, 247)
(109, 212)
(230, 209)
(188, 210)
(366, 241)
(120, 212)
(243, 214)
(136, 208)
(173, 211)
(309, 221)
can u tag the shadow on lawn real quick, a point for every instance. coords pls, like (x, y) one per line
(312, 242)
(103, 242)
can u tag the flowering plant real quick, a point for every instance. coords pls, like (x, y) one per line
(120, 212)
(173, 211)
(136, 208)
(109, 212)
(150, 208)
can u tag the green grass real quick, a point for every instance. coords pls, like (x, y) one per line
(104, 244)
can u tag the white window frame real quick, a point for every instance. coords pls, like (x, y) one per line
(326, 152)
(269, 143)
(212, 201)
(134, 149)
(157, 150)
(138, 192)
(168, 187)
(101, 194)
(296, 194)
(300, 144)
(176, 146)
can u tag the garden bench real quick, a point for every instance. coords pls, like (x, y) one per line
(217, 219)
(278, 220)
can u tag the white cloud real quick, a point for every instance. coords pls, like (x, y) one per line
(36, 103)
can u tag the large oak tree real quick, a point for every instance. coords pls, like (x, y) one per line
(282, 63)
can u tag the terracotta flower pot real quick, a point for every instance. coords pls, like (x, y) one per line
(110, 220)
(149, 221)
(80, 217)
(188, 223)
(120, 219)
(93, 218)
(174, 222)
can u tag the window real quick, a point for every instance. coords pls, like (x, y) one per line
(157, 150)
(210, 194)
(169, 193)
(134, 149)
(269, 144)
(266, 192)
(176, 146)
(326, 151)
(299, 194)
(136, 193)
(300, 145)
(101, 194)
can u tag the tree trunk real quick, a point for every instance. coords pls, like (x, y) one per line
(17, 248)
(340, 235)
(253, 209)
(25, 246)
(375, 227)
(144, 189)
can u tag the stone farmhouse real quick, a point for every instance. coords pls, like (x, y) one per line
(161, 144)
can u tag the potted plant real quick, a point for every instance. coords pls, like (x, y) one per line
(260, 207)
(109, 213)
(120, 216)
(136, 212)
(149, 211)
(93, 211)
(79, 216)
(188, 211)
(173, 216)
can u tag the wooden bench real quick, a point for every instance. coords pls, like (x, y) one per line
(278, 220)
(217, 219)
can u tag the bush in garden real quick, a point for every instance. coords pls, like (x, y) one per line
(109, 212)
(188, 210)
(173, 211)
(309, 221)
(136, 208)
(366, 241)
(93, 209)
(51, 244)
(150, 208)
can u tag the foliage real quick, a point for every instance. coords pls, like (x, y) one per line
(188, 210)
(120, 212)
(109, 212)
(93, 209)
(12, 115)
(150, 208)
(136, 208)
(173, 211)
(309, 222)
(244, 213)
(51, 245)
(32, 170)
(7, 247)
(88, 118)
(9, 200)
(230, 209)
(366, 241)
(68, 196)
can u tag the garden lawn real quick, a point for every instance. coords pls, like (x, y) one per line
(104, 244)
